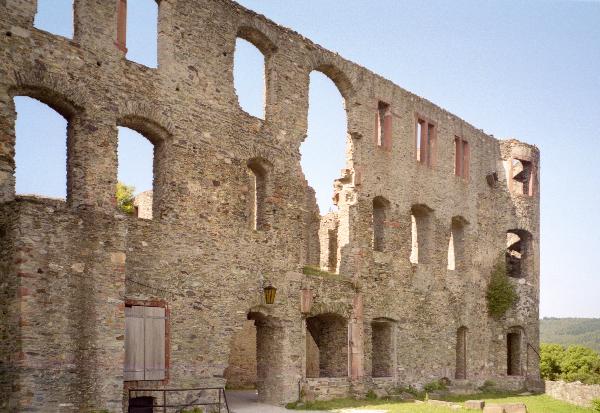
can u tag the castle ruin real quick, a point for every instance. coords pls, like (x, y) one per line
(388, 291)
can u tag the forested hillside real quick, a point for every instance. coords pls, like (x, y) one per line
(566, 331)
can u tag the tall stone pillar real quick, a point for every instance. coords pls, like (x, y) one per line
(92, 162)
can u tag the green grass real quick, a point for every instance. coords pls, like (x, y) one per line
(396, 407)
(535, 404)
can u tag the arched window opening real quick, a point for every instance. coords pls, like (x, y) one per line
(55, 16)
(260, 181)
(326, 346)
(517, 253)
(523, 175)
(513, 352)
(249, 78)
(137, 30)
(40, 149)
(421, 234)
(135, 171)
(382, 348)
(456, 246)
(380, 211)
(324, 149)
(461, 354)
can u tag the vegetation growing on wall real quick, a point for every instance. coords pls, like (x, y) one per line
(573, 363)
(501, 293)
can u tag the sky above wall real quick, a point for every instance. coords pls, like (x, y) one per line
(523, 69)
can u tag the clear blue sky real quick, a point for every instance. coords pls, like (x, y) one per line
(524, 69)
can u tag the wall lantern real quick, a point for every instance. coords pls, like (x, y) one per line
(270, 292)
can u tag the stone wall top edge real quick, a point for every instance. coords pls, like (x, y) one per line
(391, 84)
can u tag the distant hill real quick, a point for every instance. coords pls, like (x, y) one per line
(566, 331)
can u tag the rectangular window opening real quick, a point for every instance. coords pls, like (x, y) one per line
(384, 125)
(461, 157)
(425, 142)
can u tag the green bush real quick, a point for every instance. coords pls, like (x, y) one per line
(371, 395)
(596, 405)
(437, 385)
(501, 293)
(574, 363)
(488, 386)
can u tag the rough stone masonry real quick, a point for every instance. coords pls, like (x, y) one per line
(387, 292)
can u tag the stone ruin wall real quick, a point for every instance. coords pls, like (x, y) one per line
(68, 267)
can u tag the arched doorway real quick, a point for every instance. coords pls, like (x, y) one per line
(257, 359)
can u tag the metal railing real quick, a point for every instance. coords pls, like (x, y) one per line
(205, 397)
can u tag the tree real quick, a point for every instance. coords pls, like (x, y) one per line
(125, 198)
(551, 356)
(575, 363)
(581, 364)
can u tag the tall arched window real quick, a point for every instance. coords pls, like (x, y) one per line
(136, 171)
(55, 16)
(422, 234)
(324, 149)
(249, 77)
(380, 211)
(456, 245)
(40, 149)
(260, 170)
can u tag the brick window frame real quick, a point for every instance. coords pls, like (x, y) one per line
(162, 304)
(462, 157)
(425, 141)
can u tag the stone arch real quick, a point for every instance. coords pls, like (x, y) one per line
(146, 117)
(256, 357)
(260, 40)
(338, 77)
(55, 92)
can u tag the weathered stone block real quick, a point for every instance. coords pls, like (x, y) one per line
(515, 408)
(475, 404)
(493, 408)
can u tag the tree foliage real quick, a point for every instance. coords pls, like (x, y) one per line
(573, 363)
(501, 293)
(125, 198)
